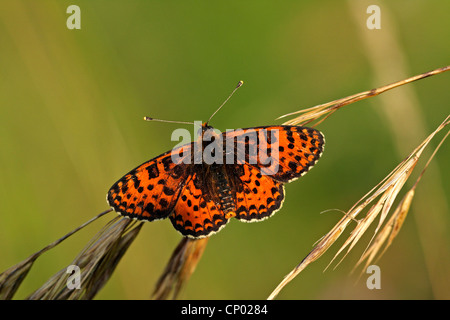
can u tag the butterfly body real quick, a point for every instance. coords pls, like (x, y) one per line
(200, 186)
(221, 188)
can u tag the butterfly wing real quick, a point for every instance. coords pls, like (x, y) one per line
(150, 191)
(164, 187)
(196, 213)
(257, 196)
(299, 148)
(283, 154)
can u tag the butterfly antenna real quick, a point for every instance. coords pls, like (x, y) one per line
(169, 121)
(231, 94)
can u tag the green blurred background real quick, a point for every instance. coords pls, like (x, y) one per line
(71, 109)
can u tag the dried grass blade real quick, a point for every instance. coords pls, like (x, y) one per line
(326, 109)
(392, 227)
(11, 279)
(387, 190)
(97, 261)
(389, 231)
(320, 248)
(178, 270)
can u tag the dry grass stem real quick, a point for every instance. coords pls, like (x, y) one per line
(11, 278)
(394, 224)
(96, 263)
(178, 270)
(386, 192)
(320, 112)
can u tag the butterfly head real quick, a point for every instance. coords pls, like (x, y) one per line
(206, 127)
(206, 131)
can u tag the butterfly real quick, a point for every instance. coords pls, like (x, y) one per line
(242, 176)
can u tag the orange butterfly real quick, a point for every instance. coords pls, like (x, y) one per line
(201, 196)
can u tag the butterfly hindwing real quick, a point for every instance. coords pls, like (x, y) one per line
(196, 214)
(257, 196)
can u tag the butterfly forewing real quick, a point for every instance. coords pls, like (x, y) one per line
(283, 152)
(150, 191)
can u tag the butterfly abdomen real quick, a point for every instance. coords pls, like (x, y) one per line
(222, 189)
